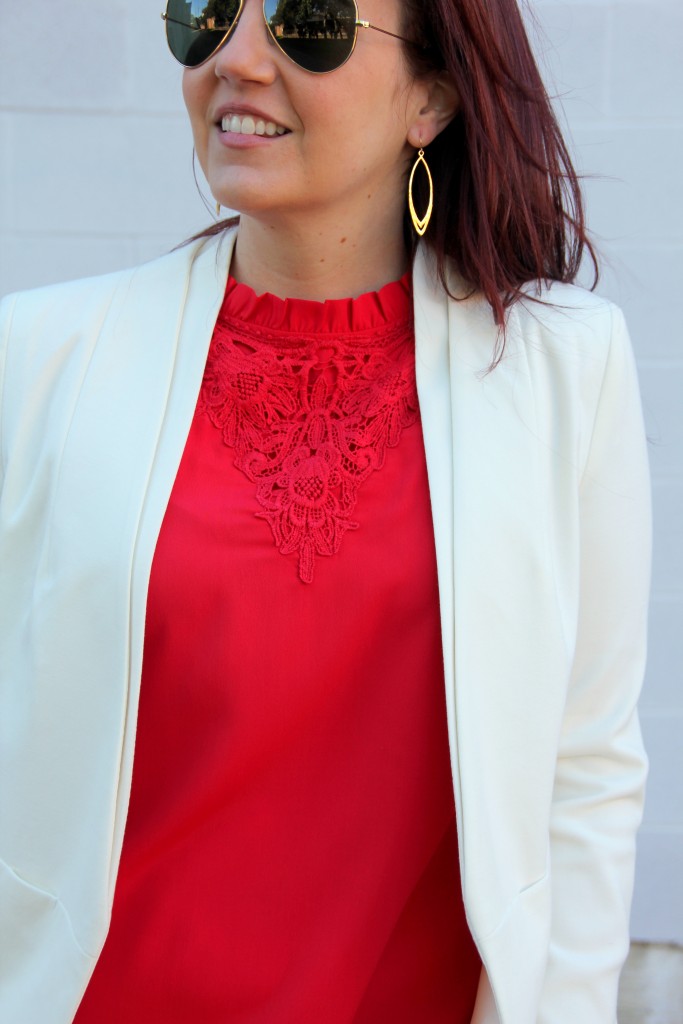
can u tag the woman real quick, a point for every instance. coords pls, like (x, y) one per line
(218, 461)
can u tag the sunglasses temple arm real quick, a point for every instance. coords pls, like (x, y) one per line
(366, 24)
(185, 24)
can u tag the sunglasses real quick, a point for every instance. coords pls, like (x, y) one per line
(317, 36)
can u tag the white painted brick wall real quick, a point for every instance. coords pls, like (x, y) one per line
(95, 148)
(95, 174)
(616, 65)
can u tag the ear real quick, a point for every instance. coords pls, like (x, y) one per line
(440, 107)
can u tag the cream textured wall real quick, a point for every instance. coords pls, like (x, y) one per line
(95, 174)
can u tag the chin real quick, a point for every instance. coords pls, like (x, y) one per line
(258, 204)
(245, 206)
(243, 197)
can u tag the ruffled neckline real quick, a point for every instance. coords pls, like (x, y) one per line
(391, 305)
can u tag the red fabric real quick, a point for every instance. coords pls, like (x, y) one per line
(290, 853)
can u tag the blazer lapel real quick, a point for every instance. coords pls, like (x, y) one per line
(176, 400)
(432, 372)
(142, 382)
(500, 641)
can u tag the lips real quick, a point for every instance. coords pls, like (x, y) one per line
(250, 124)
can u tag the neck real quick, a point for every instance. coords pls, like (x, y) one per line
(327, 259)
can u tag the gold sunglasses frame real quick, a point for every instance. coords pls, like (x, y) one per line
(358, 23)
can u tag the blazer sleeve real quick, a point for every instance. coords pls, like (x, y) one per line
(601, 768)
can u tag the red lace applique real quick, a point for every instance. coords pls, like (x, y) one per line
(309, 418)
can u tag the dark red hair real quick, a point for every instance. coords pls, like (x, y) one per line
(507, 201)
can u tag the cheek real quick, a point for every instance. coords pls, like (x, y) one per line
(195, 95)
(188, 90)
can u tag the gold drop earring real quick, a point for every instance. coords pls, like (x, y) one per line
(420, 223)
(218, 209)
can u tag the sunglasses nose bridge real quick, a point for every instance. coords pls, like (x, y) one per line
(253, 31)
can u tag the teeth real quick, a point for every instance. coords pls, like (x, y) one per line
(249, 126)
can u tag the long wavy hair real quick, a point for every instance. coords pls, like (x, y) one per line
(508, 208)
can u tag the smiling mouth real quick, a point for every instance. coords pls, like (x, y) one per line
(248, 125)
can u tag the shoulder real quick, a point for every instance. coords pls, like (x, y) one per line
(567, 354)
(582, 373)
(570, 336)
(551, 309)
(63, 294)
(81, 301)
(553, 326)
(49, 336)
(566, 315)
(61, 323)
(561, 331)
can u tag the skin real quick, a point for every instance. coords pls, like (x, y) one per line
(321, 207)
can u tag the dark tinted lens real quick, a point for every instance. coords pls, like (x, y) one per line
(318, 35)
(196, 28)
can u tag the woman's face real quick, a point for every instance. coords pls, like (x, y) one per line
(346, 133)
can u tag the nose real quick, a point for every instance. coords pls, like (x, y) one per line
(249, 53)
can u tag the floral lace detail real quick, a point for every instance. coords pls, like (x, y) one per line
(309, 418)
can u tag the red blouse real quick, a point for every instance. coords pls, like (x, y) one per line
(290, 854)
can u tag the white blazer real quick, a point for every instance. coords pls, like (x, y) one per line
(538, 480)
